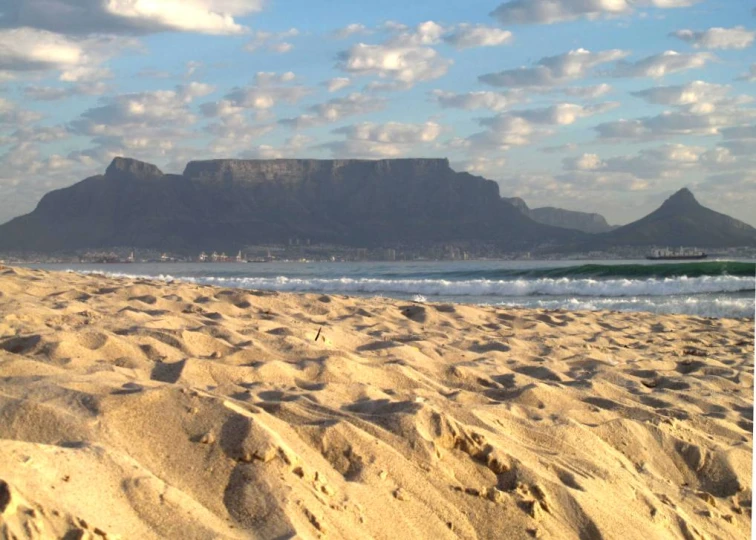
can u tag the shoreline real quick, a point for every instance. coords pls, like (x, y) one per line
(170, 409)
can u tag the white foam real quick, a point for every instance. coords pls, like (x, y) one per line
(669, 295)
(483, 287)
(704, 306)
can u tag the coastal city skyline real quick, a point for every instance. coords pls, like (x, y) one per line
(619, 106)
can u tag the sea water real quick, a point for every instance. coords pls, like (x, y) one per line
(708, 288)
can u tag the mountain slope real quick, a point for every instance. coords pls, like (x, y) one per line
(559, 217)
(681, 221)
(226, 204)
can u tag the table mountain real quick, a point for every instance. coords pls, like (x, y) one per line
(226, 204)
(680, 221)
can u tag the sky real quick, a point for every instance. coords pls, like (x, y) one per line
(604, 106)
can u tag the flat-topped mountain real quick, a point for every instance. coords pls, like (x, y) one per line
(681, 221)
(559, 217)
(227, 204)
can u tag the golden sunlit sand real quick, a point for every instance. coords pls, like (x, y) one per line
(143, 409)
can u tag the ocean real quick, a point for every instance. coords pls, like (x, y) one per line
(709, 288)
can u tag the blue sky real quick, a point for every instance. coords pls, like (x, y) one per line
(596, 105)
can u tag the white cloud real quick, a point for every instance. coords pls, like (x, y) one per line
(467, 35)
(392, 139)
(493, 101)
(263, 96)
(293, 147)
(337, 83)
(588, 92)
(271, 41)
(336, 109)
(55, 93)
(555, 11)
(79, 17)
(584, 162)
(522, 127)
(563, 114)
(701, 109)
(406, 57)
(12, 115)
(267, 78)
(351, 30)
(666, 161)
(659, 65)
(553, 70)
(717, 38)
(28, 50)
(685, 94)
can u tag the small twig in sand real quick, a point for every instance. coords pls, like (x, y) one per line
(318, 335)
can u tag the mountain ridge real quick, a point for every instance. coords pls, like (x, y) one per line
(410, 202)
(225, 204)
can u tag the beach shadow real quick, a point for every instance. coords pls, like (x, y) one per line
(538, 372)
(167, 372)
(20, 345)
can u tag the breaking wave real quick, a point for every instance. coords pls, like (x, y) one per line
(683, 285)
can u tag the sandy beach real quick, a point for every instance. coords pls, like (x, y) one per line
(144, 409)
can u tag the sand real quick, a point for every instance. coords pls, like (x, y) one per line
(140, 409)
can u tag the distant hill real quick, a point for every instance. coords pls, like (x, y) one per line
(226, 204)
(567, 219)
(680, 221)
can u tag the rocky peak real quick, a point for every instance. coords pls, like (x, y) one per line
(518, 203)
(122, 167)
(680, 200)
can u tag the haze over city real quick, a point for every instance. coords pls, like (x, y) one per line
(601, 106)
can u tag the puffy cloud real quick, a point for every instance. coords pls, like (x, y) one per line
(701, 109)
(12, 115)
(659, 65)
(77, 59)
(553, 70)
(405, 57)
(55, 93)
(467, 35)
(588, 92)
(666, 161)
(267, 78)
(235, 136)
(271, 41)
(481, 165)
(351, 30)
(493, 101)
(685, 94)
(264, 95)
(563, 114)
(584, 162)
(79, 17)
(383, 140)
(392, 132)
(666, 124)
(555, 11)
(717, 38)
(336, 109)
(519, 128)
(293, 147)
(337, 83)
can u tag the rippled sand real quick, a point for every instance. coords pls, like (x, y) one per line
(166, 410)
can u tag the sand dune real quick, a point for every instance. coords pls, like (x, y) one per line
(139, 409)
